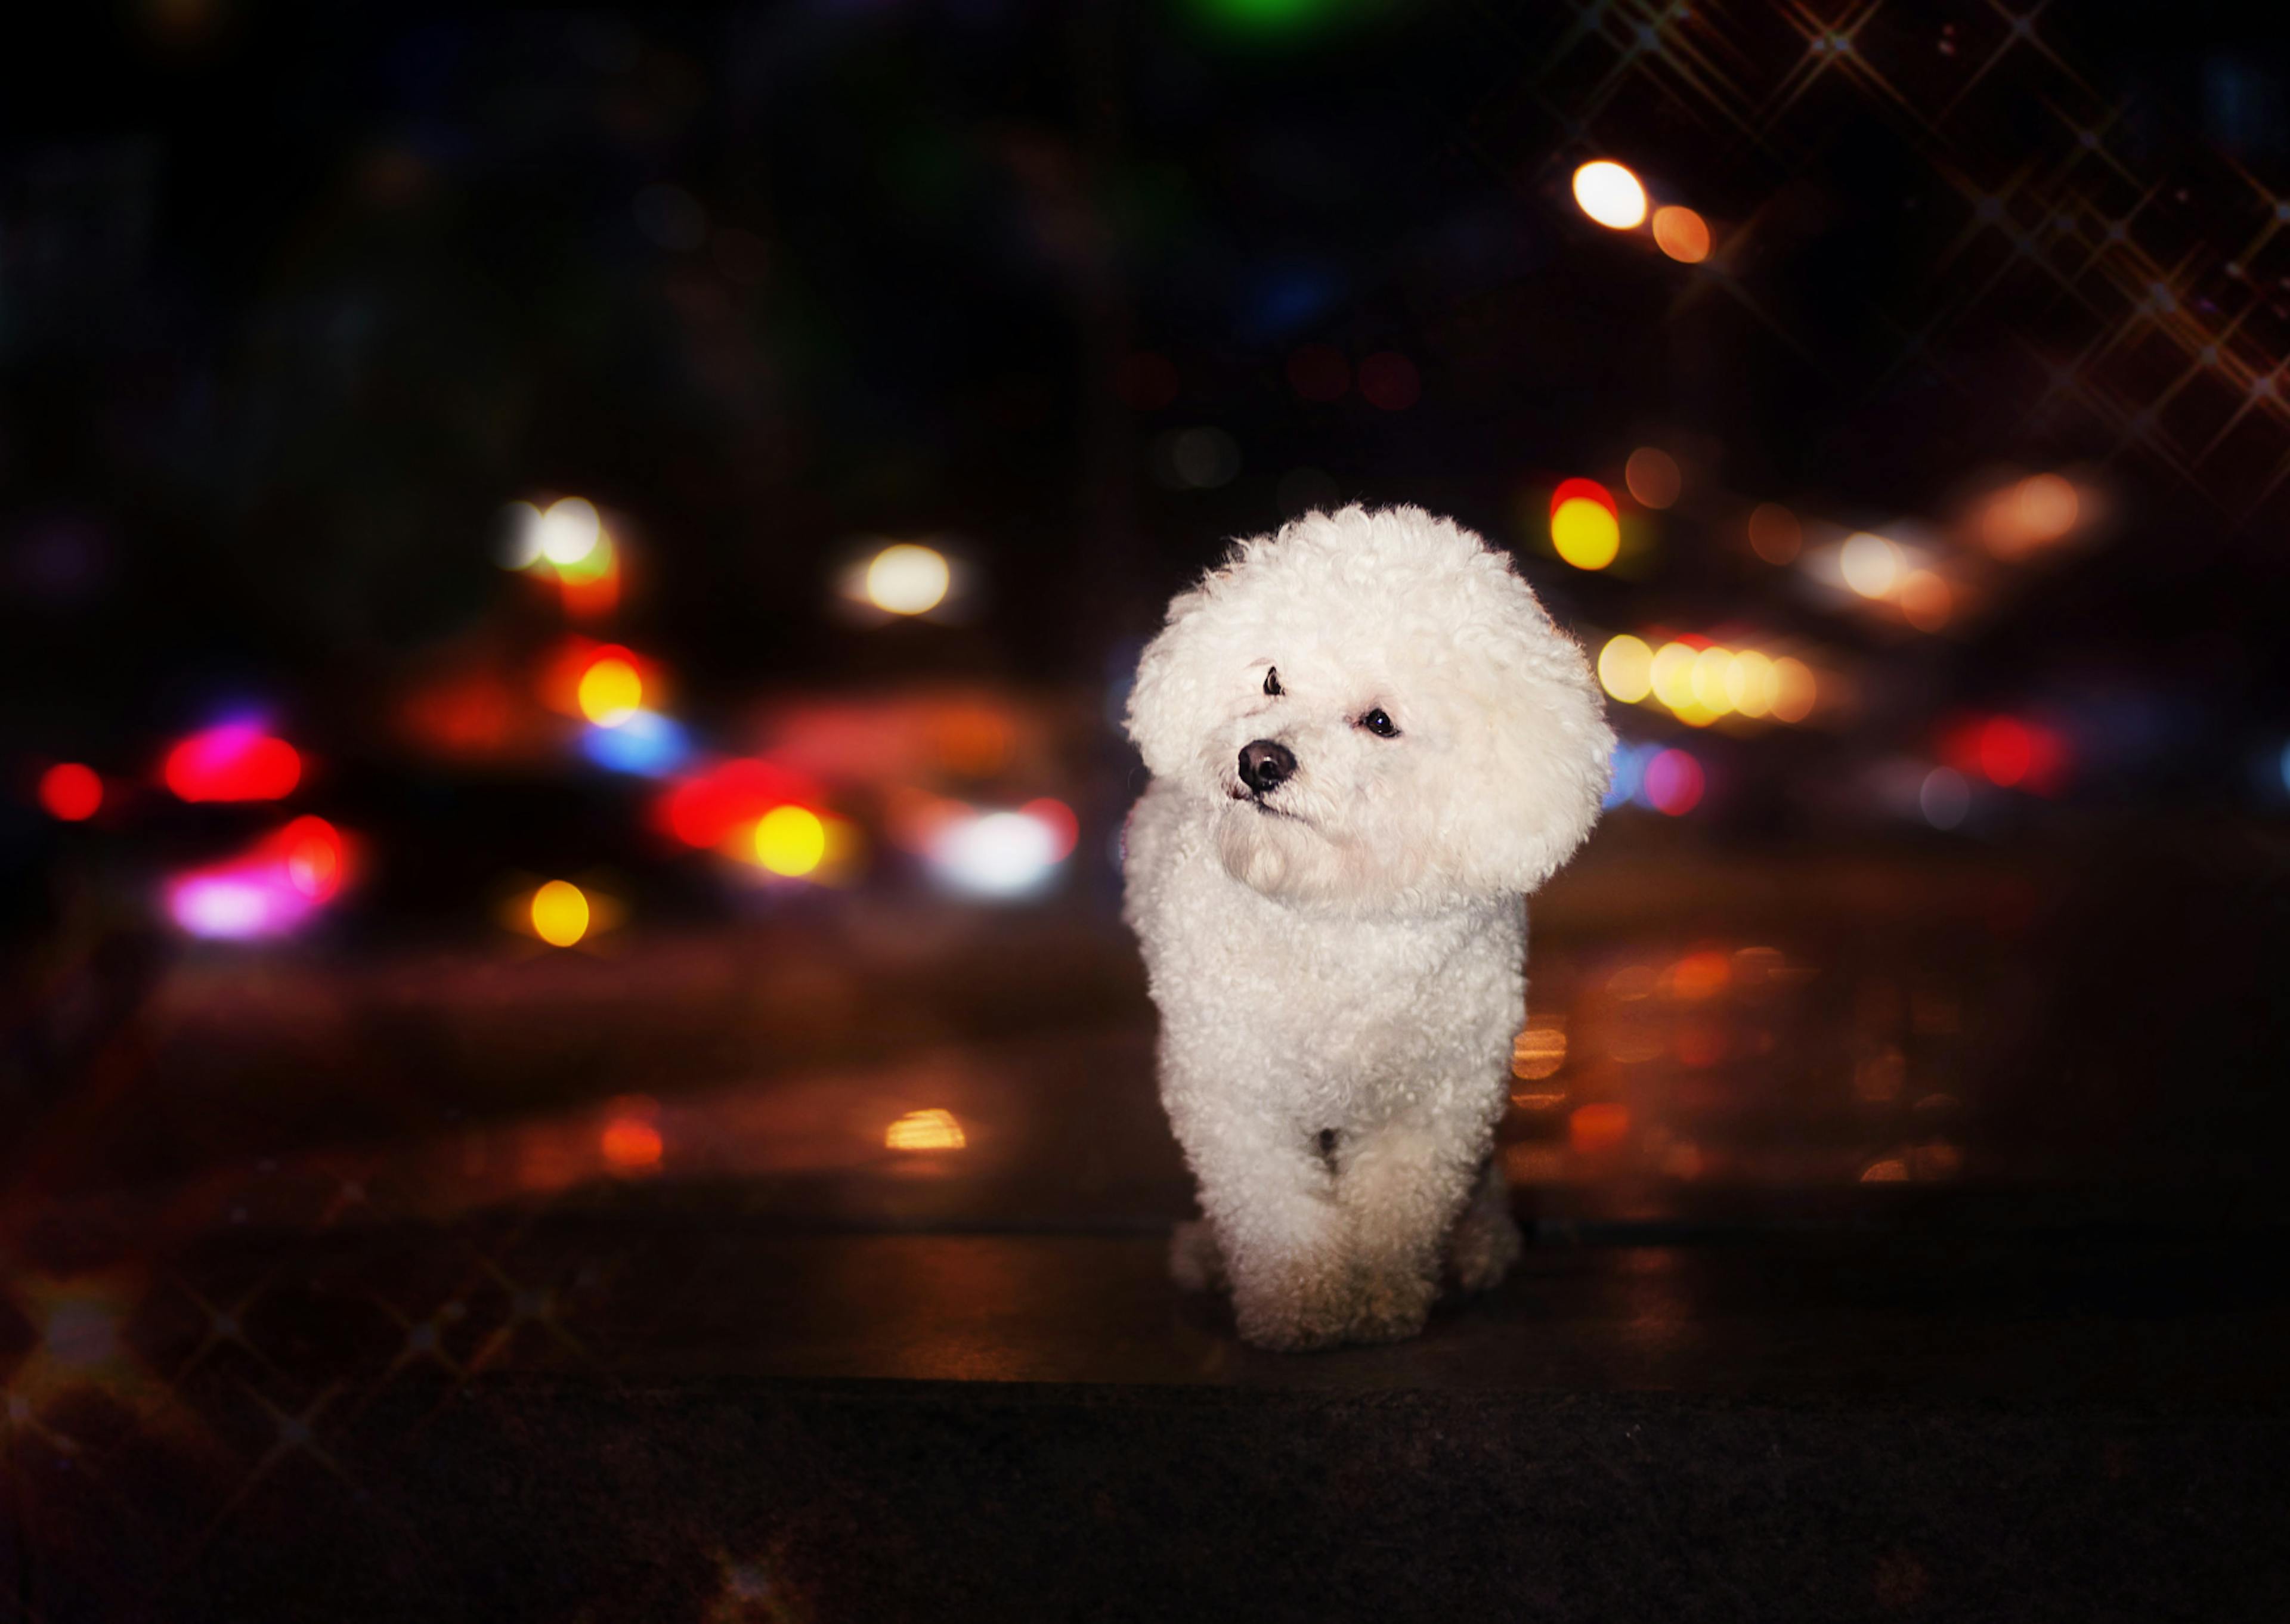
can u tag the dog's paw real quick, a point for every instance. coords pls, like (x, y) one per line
(1485, 1246)
(1392, 1309)
(1195, 1262)
(1296, 1317)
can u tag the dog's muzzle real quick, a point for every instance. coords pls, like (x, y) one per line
(1266, 765)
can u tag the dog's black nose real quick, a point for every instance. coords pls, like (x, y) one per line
(1265, 766)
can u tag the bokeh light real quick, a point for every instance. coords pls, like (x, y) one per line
(1585, 532)
(1795, 690)
(631, 1141)
(1059, 819)
(643, 743)
(1146, 381)
(1752, 683)
(1681, 233)
(1538, 1052)
(908, 578)
(71, 792)
(934, 1129)
(1869, 564)
(1003, 855)
(1626, 669)
(2030, 513)
(1713, 669)
(1944, 797)
(1601, 1126)
(710, 807)
(1673, 783)
(790, 841)
(560, 913)
(312, 851)
(1924, 600)
(1320, 371)
(2005, 751)
(236, 761)
(612, 690)
(270, 889)
(1670, 674)
(1775, 535)
(1610, 194)
(1653, 476)
(569, 533)
(1388, 382)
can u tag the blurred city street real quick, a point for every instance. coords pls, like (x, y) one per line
(570, 585)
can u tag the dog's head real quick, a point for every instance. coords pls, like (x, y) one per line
(1378, 713)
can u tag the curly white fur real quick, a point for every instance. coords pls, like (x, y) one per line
(1340, 958)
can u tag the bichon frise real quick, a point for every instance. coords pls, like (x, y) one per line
(1368, 742)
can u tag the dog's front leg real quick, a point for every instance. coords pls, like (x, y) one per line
(1270, 1201)
(1401, 1186)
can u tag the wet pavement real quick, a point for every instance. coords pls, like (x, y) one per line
(814, 1269)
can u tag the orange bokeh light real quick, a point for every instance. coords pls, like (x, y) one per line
(1681, 233)
(1597, 1127)
(630, 1144)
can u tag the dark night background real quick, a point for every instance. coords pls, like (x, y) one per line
(1986, 941)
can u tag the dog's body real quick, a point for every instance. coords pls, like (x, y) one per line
(1368, 742)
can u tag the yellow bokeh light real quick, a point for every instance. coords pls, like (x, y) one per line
(1652, 477)
(1870, 565)
(930, 1130)
(1750, 684)
(560, 913)
(1711, 668)
(1626, 669)
(1538, 1052)
(1681, 233)
(610, 692)
(1610, 194)
(908, 578)
(1671, 675)
(1794, 689)
(1585, 533)
(791, 840)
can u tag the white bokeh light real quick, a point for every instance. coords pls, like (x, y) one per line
(908, 578)
(1610, 194)
(1001, 854)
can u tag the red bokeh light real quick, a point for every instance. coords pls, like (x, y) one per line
(2008, 753)
(235, 761)
(71, 792)
(630, 1143)
(1146, 381)
(313, 854)
(707, 808)
(1601, 1126)
(1673, 783)
(1582, 490)
(1059, 818)
(1388, 380)
(2005, 752)
(1320, 371)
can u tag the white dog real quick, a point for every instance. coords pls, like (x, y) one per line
(1368, 742)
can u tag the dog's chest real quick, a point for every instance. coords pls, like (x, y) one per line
(1358, 1015)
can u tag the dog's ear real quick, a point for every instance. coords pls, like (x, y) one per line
(1535, 752)
(1166, 700)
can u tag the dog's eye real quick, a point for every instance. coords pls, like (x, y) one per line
(1272, 681)
(1380, 724)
